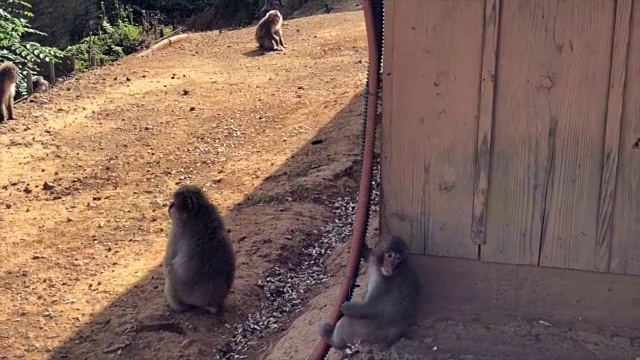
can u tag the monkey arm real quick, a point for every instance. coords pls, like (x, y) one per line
(358, 310)
(279, 37)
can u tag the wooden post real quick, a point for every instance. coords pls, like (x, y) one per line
(154, 28)
(92, 60)
(102, 61)
(29, 83)
(52, 73)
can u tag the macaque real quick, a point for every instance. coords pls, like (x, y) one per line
(8, 79)
(40, 84)
(269, 32)
(199, 264)
(390, 305)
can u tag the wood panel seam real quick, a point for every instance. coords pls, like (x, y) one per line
(485, 120)
(613, 123)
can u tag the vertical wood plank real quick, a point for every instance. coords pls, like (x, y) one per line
(430, 124)
(625, 244)
(485, 120)
(387, 119)
(546, 158)
(612, 132)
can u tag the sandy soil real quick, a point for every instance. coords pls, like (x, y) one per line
(81, 255)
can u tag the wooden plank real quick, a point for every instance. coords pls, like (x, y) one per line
(485, 122)
(387, 122)
(548, 132)
(430, 123)
(612, 132)
(625, 244)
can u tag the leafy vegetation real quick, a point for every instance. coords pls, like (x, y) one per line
(27, 55)
(114, 39)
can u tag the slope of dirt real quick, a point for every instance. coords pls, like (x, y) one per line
(80, 275)
(457, 336)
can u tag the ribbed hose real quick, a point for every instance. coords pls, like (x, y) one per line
(373, 15)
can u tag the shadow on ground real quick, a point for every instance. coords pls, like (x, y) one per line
(290, 204)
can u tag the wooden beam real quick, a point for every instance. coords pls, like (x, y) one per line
(485, 120)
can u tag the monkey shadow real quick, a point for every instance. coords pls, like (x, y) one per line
(255, 52)
(138, 324)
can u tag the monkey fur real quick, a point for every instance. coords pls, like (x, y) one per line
(8, 79)
(269, 32)
(199, 263)
(40, 84)
(390, 305)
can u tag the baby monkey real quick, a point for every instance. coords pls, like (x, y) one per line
(40, 84)
(8, 79)
(199, 264)
(269, 32)
(390, 305)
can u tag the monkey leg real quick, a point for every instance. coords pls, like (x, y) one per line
(267, 44)
(2, 113)
(275, 41)
(10, 109)
(172, 298)
(358, 310)
(348, 330)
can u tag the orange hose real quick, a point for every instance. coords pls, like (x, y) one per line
(362, 207)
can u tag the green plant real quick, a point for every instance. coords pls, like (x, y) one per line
(112, 42)
(27, 55)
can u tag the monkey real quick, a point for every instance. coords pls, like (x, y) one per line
(8, 79)
(40, 84)
(269, 32)
(390, 305)
(199, 263)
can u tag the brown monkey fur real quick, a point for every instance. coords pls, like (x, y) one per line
(390, 306)
(269, 32)
(8, 79)
(40, 84)
(199, 264)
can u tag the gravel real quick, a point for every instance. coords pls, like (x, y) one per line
(286, 288)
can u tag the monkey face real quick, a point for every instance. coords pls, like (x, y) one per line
(390, 260)
(274, 17)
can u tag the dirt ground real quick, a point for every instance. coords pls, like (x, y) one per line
(87, 169)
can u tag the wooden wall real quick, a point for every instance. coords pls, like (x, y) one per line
(511, 130)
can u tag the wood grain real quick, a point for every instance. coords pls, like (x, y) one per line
(387, 120)
(485, 121)
(625, 244)
(612, 133)
(430, 108)
(550, 112)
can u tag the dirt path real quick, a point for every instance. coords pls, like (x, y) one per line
(80, 256)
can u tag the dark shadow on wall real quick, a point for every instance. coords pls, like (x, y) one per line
(138, 325)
